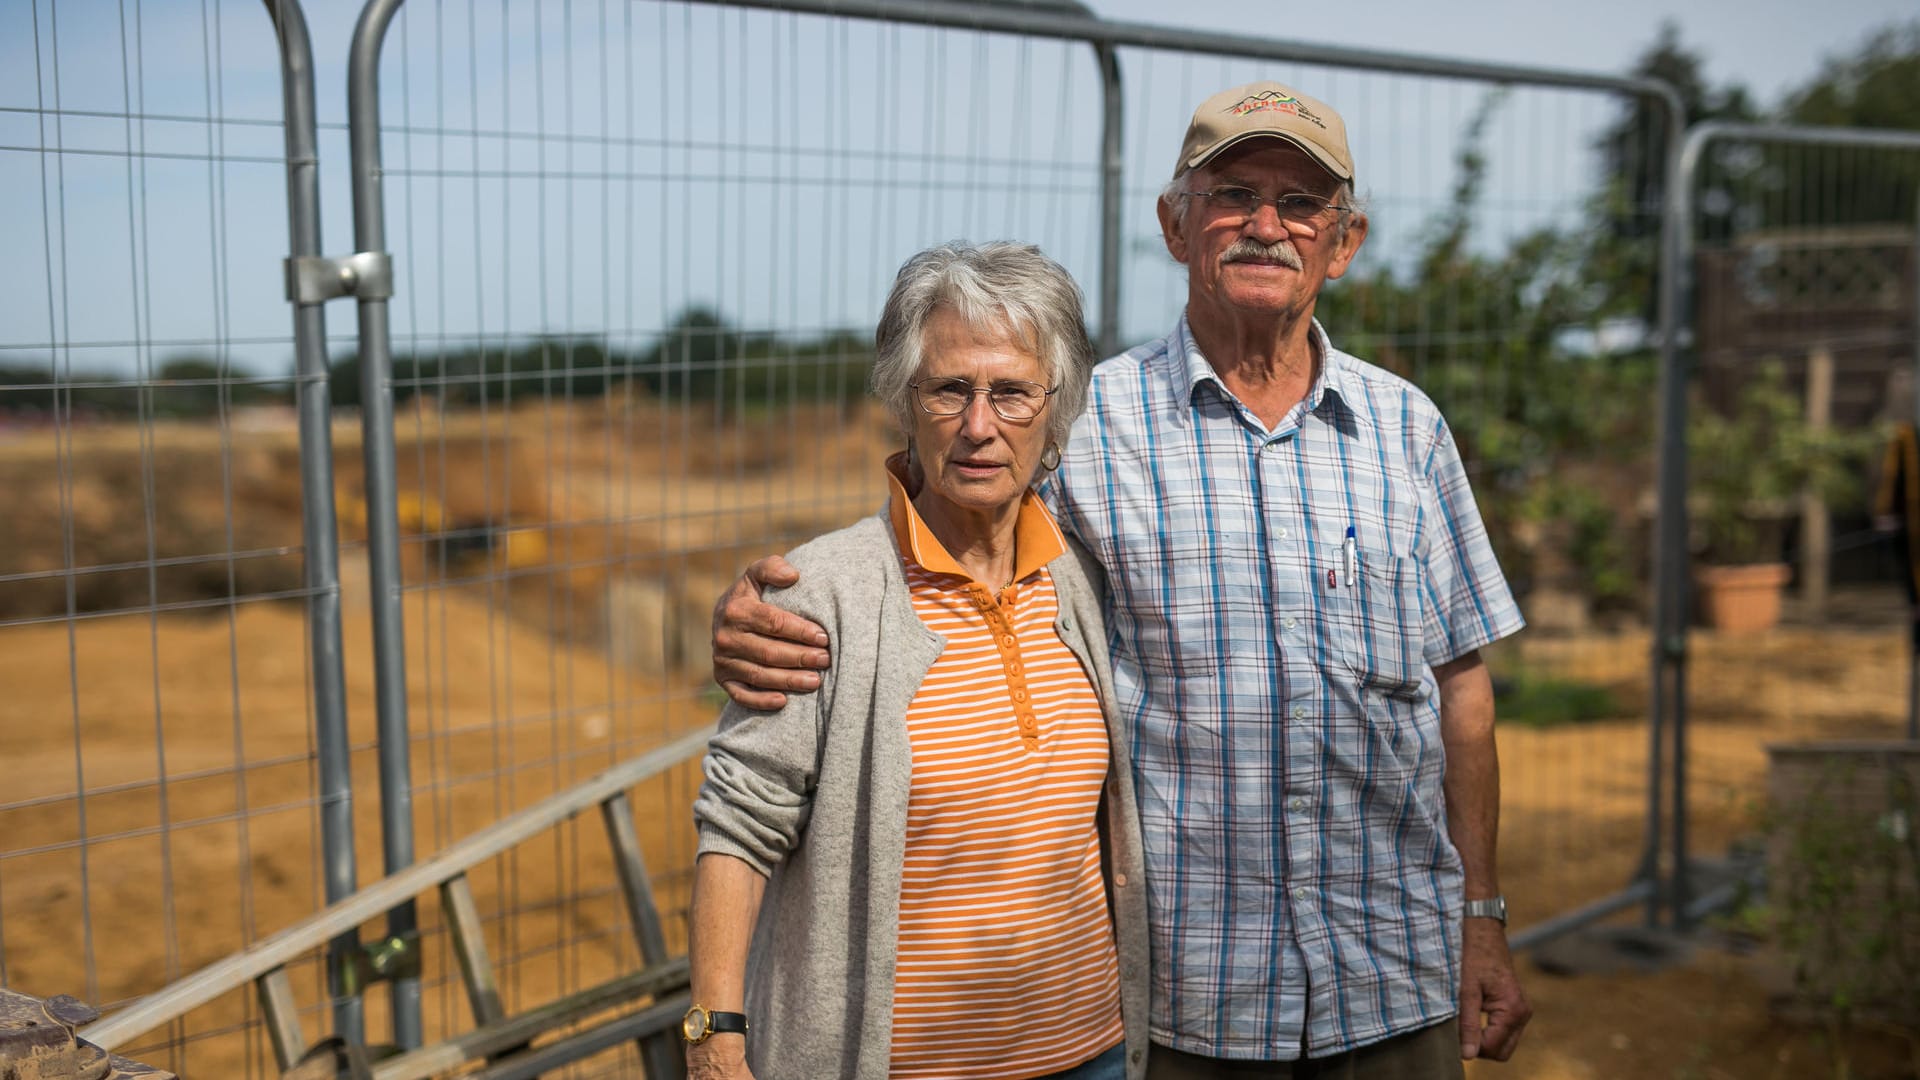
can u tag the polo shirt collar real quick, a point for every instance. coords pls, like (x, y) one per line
(1036, 538)
(1329, 389)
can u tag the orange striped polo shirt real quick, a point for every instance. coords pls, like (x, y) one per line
(1006, 964)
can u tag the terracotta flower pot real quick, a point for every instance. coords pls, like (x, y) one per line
(1741, 599)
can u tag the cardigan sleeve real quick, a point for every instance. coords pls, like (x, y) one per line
(761, 767)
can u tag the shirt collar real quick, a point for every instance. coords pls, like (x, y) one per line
(1329, 389)
(1036, 539)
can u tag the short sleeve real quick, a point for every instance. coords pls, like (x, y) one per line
(1468, 603)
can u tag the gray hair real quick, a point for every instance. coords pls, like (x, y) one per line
(1177, 195)
(999, 287)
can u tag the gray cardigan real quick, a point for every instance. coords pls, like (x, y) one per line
(814, 796)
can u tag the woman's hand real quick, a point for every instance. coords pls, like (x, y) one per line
(721, 1057)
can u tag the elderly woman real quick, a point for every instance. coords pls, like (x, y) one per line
(931, 867)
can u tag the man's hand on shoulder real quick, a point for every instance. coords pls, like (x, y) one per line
(1489, 988)
(760, 652)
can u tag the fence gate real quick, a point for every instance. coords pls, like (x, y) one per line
(171, 639)
(1795, 395)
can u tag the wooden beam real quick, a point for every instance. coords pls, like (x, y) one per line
(1816, 525)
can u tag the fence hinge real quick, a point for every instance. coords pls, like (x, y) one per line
(315, 279)
(382, 960)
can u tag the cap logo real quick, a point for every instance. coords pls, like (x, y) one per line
(1274, 101)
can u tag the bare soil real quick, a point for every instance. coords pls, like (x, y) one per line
(513, 696)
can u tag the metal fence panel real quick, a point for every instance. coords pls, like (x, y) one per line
(1803, 289)
(162, 806)
(1508, 273)
(638, 249)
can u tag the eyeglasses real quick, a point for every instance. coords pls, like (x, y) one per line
(1298, 206)
(1012, 399)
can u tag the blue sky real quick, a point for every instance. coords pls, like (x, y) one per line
(594, 167)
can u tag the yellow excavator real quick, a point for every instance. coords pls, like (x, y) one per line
(457, 545)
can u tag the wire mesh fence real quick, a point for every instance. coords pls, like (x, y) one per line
(160, 805)
(638, 252)
(1806, 292)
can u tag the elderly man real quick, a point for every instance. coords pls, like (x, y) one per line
(1298, 586)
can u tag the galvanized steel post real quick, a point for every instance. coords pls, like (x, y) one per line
(1668, 685)
(383, 524)
(1111, 148)
(319, 526)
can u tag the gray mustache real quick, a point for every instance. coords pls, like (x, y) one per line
(1247, 249)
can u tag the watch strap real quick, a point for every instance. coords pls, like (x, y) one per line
(1490, 908)
(726, 1023)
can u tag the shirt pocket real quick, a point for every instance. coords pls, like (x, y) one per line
(1182, 618)
(1376, 625)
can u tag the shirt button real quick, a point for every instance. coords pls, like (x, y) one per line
(1289, 624)
(1066, 622)
(1280, 532)
(1299, 712)
(1300, 894)
(1007, 641)
(1299, 804)
(1119, 881)
(1019, 695)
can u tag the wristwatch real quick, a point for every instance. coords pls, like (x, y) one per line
(1495, 908)
(702, 1023)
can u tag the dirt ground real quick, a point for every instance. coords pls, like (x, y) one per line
(523, 682)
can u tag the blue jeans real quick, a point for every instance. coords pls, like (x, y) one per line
(1111, 1065)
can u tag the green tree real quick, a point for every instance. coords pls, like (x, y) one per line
(1875, 87)
(1622, 257)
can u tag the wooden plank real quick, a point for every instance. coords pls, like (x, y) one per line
(233, 972)
(645, 1025)
(660, 1052)
(491, 1041)
(642, 913)
(283, 1017)
(470, 945)
(1816, 527)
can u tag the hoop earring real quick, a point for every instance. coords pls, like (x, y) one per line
(1050, 457)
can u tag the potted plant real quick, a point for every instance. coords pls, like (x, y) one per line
(1750, 468)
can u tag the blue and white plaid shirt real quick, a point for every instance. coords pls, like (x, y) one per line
(1285, 719)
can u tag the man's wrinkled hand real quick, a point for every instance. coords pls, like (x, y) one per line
(1493, 1009)
(760, 652)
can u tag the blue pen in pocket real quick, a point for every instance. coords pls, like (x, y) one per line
(1352, 555)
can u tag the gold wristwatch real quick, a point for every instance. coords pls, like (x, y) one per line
(702, 1023)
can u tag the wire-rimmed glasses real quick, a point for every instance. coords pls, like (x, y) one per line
(1297, 206)
(1012, 399)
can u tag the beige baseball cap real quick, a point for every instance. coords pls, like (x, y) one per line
(1266, 110)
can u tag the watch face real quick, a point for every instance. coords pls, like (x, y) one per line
(693, 1026)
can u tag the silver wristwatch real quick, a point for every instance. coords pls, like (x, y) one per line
(1495, 908)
